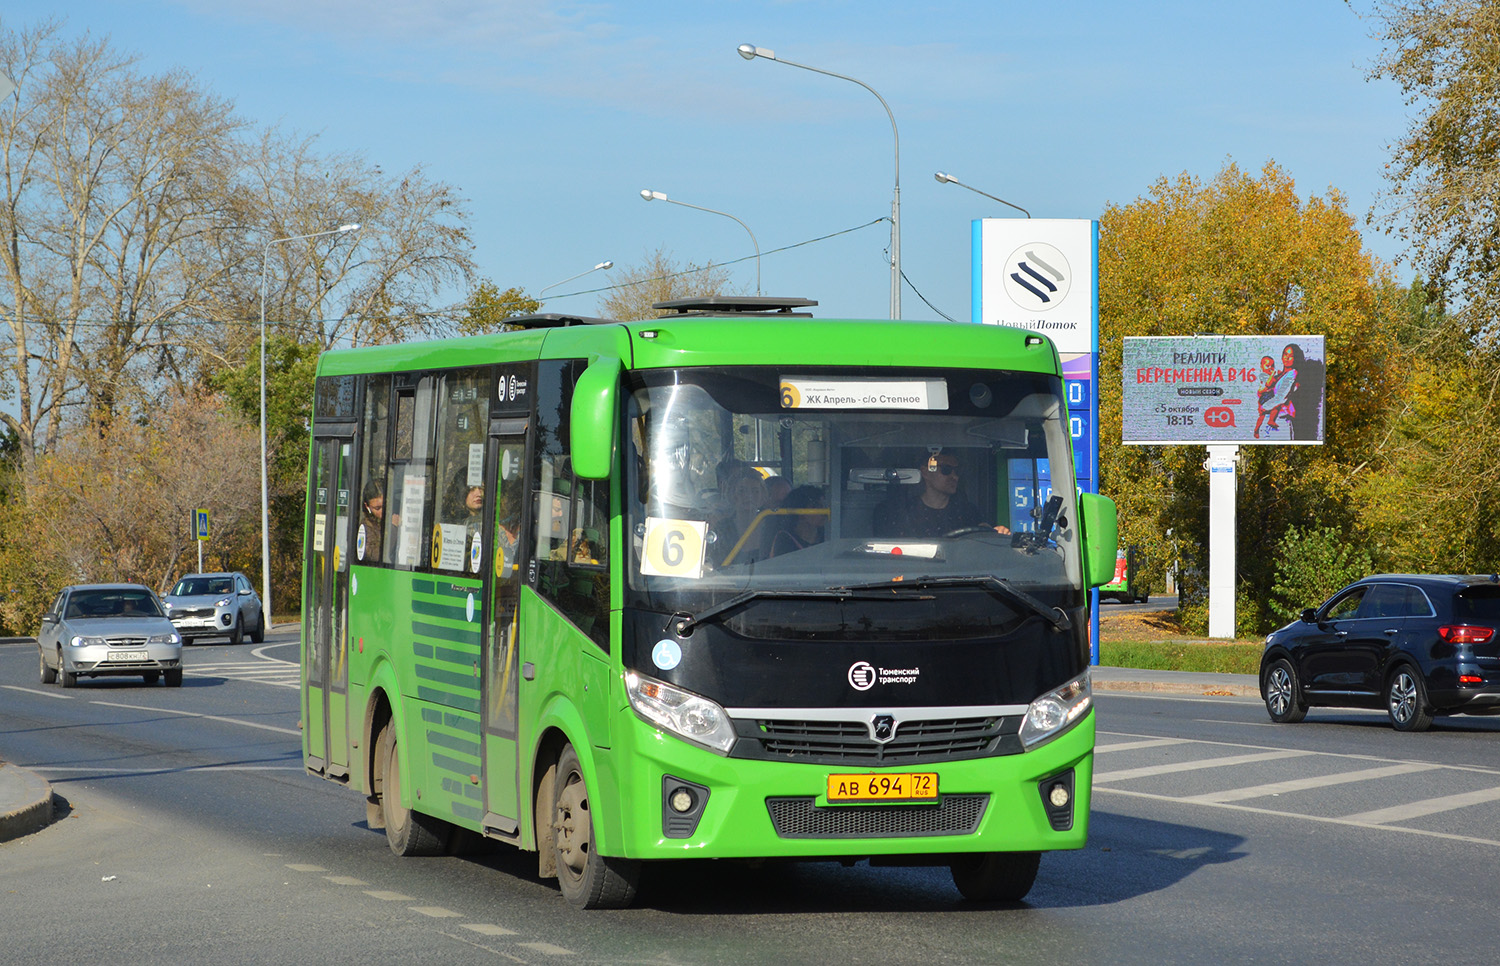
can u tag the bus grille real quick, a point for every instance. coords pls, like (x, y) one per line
(849, 742)
(800, 818)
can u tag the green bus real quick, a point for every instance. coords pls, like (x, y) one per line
(734, 583)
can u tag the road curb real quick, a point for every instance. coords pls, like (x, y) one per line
(1208, 688)
(25, 802)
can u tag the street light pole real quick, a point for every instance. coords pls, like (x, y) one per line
(648, 195)
(265, 497)
(602, 265)
(949, 179)
(750, 52)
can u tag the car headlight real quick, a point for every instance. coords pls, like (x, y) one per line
(163, 639)
(168, 605)
(224, 603)
(684, 714)
(1056, 711)
(81, 641)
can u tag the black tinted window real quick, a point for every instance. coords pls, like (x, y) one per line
(1477, 605)
(1345, 606)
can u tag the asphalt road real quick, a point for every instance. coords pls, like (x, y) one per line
(191, 835)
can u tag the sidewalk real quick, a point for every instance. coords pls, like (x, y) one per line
(26, 800)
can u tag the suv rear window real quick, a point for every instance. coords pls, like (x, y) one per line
(1477, 605)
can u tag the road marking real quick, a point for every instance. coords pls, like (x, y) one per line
(1151, 771)
(437, 912)
(1306, 784)
(209, 717)
(546, 949)
(1145, 743)
(1274, 813)
(385, 895)
(486, 929)
(165, 769)
(345, 880)
(44, 693)
(1430, 806)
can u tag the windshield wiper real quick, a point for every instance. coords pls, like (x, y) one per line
(1056, 615)
(683, 623)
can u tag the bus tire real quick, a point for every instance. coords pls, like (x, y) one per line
(995, 876)
(408, 833)
(587, 879)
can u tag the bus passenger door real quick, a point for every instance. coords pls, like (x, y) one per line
(499, 690)
(325, 659)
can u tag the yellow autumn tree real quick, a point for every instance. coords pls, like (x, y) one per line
(1240, 254)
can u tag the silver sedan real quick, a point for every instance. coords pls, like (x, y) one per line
(108, 629)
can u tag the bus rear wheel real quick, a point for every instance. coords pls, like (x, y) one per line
(588, 880)
(408, 833)
(995, 876)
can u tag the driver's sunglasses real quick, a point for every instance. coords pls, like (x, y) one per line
(947, 469)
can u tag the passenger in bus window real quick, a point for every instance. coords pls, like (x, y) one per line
(778, 488)
(372, 520)
(742, 495)
(938, 509)
(803, 528)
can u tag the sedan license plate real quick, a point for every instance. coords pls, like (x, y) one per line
(127, 655)
(907, 786)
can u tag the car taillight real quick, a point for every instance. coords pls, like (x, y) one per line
(1465, 634)
(1470, 679)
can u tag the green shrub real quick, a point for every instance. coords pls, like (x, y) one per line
(1312, 564)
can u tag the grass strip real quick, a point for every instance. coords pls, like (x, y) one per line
(1235, 658)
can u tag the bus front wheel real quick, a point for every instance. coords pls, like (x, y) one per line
(407, 832)
(995, 876)
(588, 880)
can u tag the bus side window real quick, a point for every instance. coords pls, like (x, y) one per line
(369, 538)
(462, 430)
(571, 537)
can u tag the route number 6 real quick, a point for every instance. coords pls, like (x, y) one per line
(673, 548)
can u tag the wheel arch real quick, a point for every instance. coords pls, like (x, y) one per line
(1271, 656)
(562, 724)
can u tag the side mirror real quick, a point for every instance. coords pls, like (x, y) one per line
(1101, 537)
(594, 418)
(1310, 616)
(49, 618)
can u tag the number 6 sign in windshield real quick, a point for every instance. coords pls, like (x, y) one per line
(673, 548)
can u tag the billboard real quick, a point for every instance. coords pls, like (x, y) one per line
(1199, 389)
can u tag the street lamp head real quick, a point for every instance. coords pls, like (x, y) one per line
(353, 227)
(604, 264)
(648, 195)
(942, 178)
(750, 52)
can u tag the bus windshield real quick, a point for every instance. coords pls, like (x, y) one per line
(773, 480)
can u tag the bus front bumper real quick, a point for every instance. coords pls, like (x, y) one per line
(680, 801)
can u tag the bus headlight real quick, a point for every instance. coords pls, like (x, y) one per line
(1056, 711)
(684, 714)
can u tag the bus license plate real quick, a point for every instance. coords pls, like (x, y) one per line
(127, 655)
(909, 786)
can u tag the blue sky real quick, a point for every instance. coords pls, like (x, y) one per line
(551, 117)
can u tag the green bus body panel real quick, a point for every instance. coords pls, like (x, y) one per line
(809, 344)
(415, 638)
(707, 342)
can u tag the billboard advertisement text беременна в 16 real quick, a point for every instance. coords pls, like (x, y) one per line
(1223, 389)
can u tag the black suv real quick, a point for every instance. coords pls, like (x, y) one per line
(1417, 645)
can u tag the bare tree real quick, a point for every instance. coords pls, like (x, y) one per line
(660, 279)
